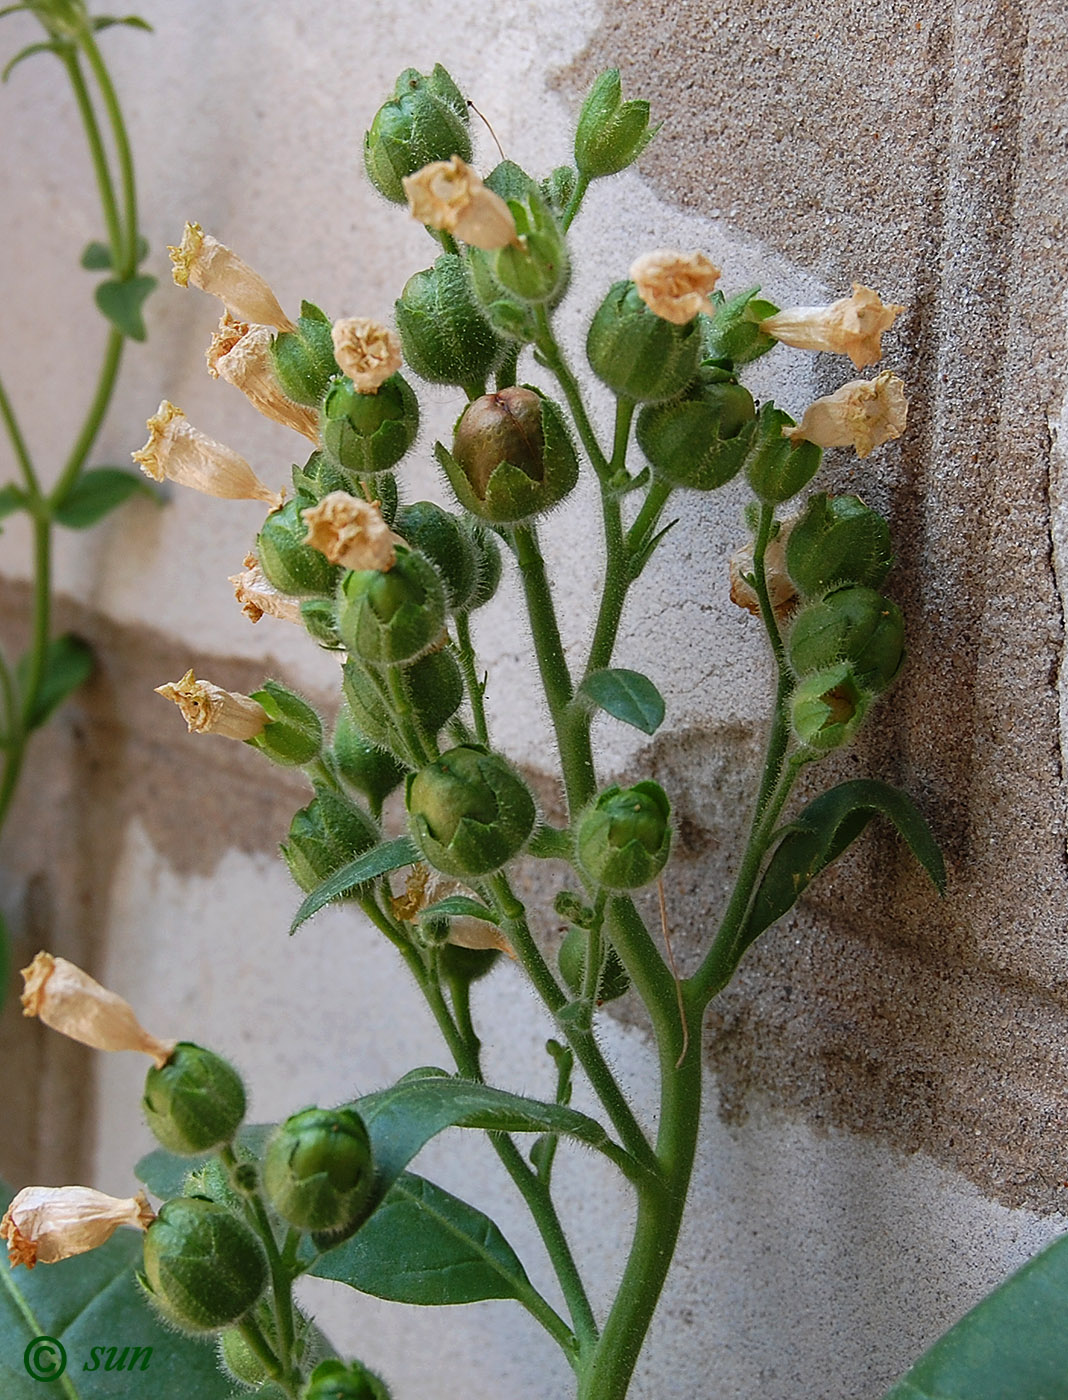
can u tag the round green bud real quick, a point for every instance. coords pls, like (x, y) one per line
(425, 120)
(838, 540)
(237, 1359)
(444, 335)
(623, 839)
(777, 468)
(856, 625)
(303, 360)
(638, 354)
(613, 981)
(389, 617)
(826, 709)
(611, 133)
(536, 269)
(370, 769)
(319, 616)
(325, 835)
(338, 1380)
(318, 1169)
(466, 964)
(433, 684)
(558, 187)
(469, 811)
(294, 732)
(292, 566)
(487, 563)
(194, 1102)
(368, 433)
(444, 540)
(699, 440)
(203, 1267)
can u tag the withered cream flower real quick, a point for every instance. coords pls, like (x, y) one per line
(208, 709)
(44, 1224)
(71, 1002)
(424, 887)
(241, 354)
(449, 195)
(176, 451)
(215, 269)
(782, 593)
(852, 326)
(351, 532)
(257, 595)
(366, 351)
(675, 286)
(862, 414)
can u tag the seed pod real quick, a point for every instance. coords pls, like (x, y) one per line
(195, 1102)
(838, 540)
(292, 566)
(293, 734)
(303, 359)
(700, 439)
(613, 981)
(446, 543)
(638, 354)
(387, 618)
(370, 769)
(469, 811)
(325, 835)
(444, 335)
(827, 709)
(338, 1380)
(364, 434)
(318, 1169)
(425, 120)
(623, 839)
(856, 625)
(203, 1267)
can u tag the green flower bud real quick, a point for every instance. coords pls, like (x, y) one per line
(776, 467)
(638, 354)
(324, 836)
(856, 625)
(195, 1102)
(318, 1169)
(203, 1267)
(611, 134)
(470, 811)
(294, 732)
(319, 616)
(838, 540)
(212, 1181)
(291, 565)
(370, 769)
(487, 563)
(433, 684)
(368, 433)
(466, 964)
(613, 981)
(237, 1359)
(826, 709)
(318, 477)
(700, 439)
(444, 335)
(447, 544)
(734, 333)
(303, 359)
(425, 120)
(536, 270)
(391, 617)
(512, 456)
(623, 839)
(336, 1380)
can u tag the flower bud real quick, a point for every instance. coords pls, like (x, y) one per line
(318, 616)
(425, 120)
(623, 839)
(324, 836)
(611, 134)
(318, 1169)
(176, 451)
(450, 196)
(45, 1224)
(558, 187)
(371, 770)
(203, 1267)
(237, 1359)
(838, 540)
(294, 732)
(447, 544)
(303, 358)
(862, 414)
(69, 1001)
(699, 440)
(290, 564)
(469, 811)
(856, 625)
(826, 709)
(675, 286)
(512, 456)
(637, 353)
(208, 709)
(194, 1102)
(432, 683)
(613, 981)
(534, 266)
(487, 562)
(367, 433)
(391, 617)
(776, 467)
(455, 961)
(338, 1380)
(216, 269)
(241, 355)
(733, 331)
(852, 326)
(444, 335)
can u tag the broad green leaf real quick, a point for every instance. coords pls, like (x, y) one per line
(96, 492)
(96, 256)
(456, 906)
(48, 46)
(423, 1245)
(93, 1301)
(628, 696)
(1012, 1346)
(380, 861)
(68, 664)
(134, 21)
(121, 303)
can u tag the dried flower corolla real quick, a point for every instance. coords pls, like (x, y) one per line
(449, 195)
(852, 326)
(368, 352)
(44, 1224)
(178, 452)
(71, 1002)
(351, 532)
(241, 354)
(257, 595)
(216, 269)
(675, 286)
(862, 414)
(782, 591)
(208, 709)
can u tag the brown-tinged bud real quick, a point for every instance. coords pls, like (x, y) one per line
(862, 414)
(449, 195)
(257, 595)
(366, 351)
(176, 451)
(852, 326)
(351, 532)
(208, 709)
(241, 354)
(71, 1002)
(675, 286)
(44, 1224)
(214, 268)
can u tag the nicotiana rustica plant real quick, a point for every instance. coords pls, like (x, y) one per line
(392, 585)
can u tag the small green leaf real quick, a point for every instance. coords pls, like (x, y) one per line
(96, 256)
(456, 906)
(47, 46)
(12, 498)
(68, 664)
(380, 861)
(134, 21)
(628, 696)
(121, 303)
(96, 492)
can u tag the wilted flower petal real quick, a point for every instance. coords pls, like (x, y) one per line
(214, 268)
(449, 195)
(366, 351)
(68, 1000)
(351, 532)
(862, 414)
(241, 354)
(675, 286)
(176, 451)
(852, 326)
(208, 709)
(257, 595)
(424, 887)
(782, 592)
(44, 1224)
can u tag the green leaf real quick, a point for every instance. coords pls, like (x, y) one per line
(93, 1300)
(628, 696)
(12, 498)
(820, 834)
(456, 906)
(96, 492)
(423, 1245)
(164, 1173)
(134, 21)
(68, 664)
(380, 861)
(47, 46)
(121, 303)
(96, 257)
(1012, 1346)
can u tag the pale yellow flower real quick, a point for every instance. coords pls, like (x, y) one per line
(366, 351)
(215, 269)
(675, 286)
(257, 595)
(449, 195)
(782, 592)
(862, 414)
(208, 709)
(241, 354)
(176, 451)
(852, 326)
(71, 1002)
(44, 1224)
(351, 532)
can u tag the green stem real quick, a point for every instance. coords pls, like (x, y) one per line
(83, 445)
(554, 358)
(18, 443)
(475, 687)
(42, 616)
(424, 750)
(260, 1347)
(779, 734)
(97, 154)
(645, 521)
(126, 264)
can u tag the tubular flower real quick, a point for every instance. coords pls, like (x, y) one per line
(351, 532)
(449, 195)
(44, 1224)
(675, 286)
(367, 352)
(71, 1002)
(215, 269)
(852, 326)
(241, 354)
(862, 414)
(782, 592)
(257, 595)
(176, 451)
(208, 709)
